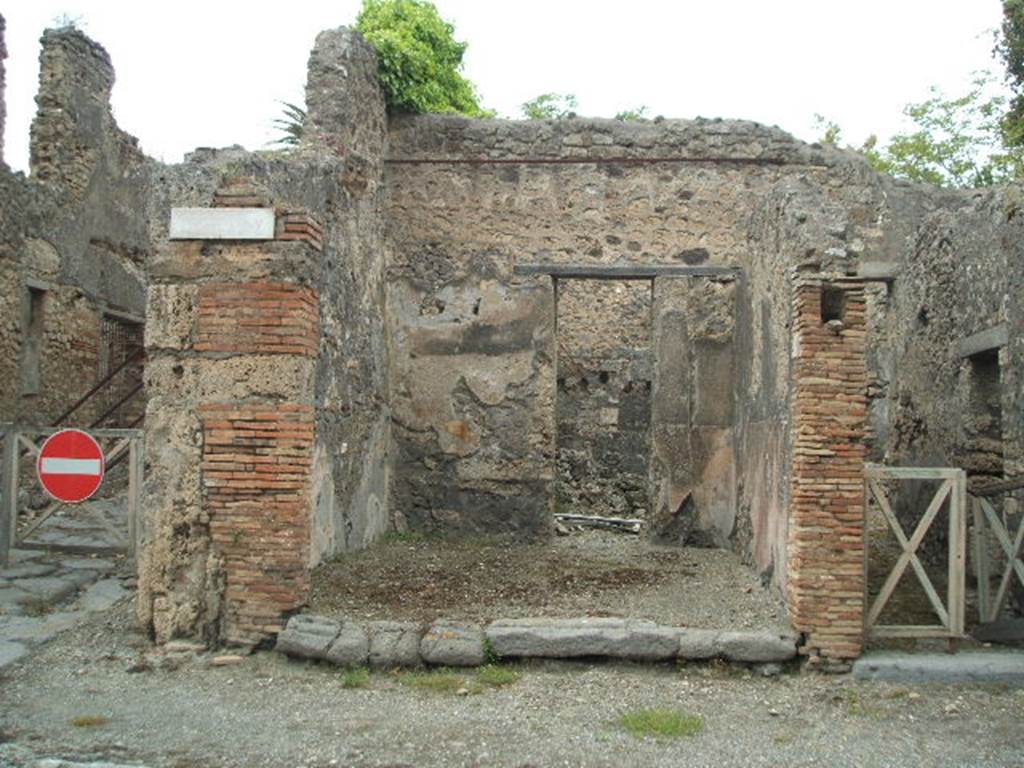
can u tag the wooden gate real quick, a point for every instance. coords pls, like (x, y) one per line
(951, 493)
(21, 447)
(986, 518)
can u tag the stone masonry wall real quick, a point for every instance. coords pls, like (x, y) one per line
(468, 200)
(960, 277)
(74, 236)
(827, 507)
(269, 426)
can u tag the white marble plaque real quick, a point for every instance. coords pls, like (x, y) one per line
(222, 224)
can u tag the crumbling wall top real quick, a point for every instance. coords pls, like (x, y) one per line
(452, 137)
(74, 131)
(345, 103)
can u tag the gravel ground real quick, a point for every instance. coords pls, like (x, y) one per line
(589, 573)
(268, 711)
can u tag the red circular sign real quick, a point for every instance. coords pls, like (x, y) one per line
(70, 465)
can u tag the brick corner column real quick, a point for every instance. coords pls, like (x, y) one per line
(233, 353)
(826, 569)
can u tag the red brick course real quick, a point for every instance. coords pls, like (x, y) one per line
(256, 472)
(258, 318)
(299, 225)
(826, 580)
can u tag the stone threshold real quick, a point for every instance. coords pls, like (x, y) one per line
(389, 644)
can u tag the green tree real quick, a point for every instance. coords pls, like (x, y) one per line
(1010, 48)
(420, 59)
(956, 142)
(550, 106)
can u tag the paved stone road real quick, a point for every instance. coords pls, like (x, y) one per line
(42, 594)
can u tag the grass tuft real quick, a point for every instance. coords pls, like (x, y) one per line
(438, 681)
(497, 676)
(662, 723)
(355, 678)
(38, 608)
(89, 721)
(404, 537)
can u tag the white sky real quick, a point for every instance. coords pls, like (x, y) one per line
(212, 73)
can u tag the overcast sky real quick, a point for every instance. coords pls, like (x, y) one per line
(213, 73)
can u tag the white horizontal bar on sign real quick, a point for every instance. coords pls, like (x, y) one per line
(222, 224)
(55, 466)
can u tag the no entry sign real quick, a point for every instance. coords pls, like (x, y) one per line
(70, 465)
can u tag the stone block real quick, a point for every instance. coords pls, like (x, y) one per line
(10, 652)
(698, 644)
(756, 646)
(102, 595)
(394, 644)
(49, 589)
(222, 224)
(453, 644)
(27, 570)
(574, 638)
(1005, 667)
(351, 648)
(308, 637)
(171, 312)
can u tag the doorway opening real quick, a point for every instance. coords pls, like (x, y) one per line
(603, 400)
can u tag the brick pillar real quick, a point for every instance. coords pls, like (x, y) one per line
(826, 577)
(232, 340)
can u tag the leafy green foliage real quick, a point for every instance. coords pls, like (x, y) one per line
(956, 142)
(662, 723)
(640, 113)
(550, 106)
(291, 125)
(1010, 48)
(420, 61)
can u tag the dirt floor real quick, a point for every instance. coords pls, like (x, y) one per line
(588, 573)
(99, 692)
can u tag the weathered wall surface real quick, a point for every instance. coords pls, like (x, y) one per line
(268, 417)
(75, 238)
(961, 276)
(465, 197)
(693, 463)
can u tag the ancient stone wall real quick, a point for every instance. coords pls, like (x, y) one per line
(74, 242)
(953, 315)
(268, 420)
(469, 200)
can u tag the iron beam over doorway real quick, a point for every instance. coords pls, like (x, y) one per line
(622, 271)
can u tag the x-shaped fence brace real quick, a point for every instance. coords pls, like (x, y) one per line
(951, 488)
(988, 610)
